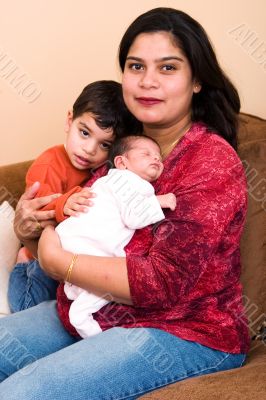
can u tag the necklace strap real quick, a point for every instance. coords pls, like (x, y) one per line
(181, 133)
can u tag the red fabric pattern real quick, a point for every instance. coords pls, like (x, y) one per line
(184, 272)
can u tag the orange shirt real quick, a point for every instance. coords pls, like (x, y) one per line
(56, 174)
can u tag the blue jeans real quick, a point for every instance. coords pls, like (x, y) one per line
(29, 286)
(41, 361)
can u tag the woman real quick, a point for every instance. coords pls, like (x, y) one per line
(176, 296)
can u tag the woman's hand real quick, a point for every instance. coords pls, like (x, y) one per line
(52, 258)
(29, 219)
(78, 202)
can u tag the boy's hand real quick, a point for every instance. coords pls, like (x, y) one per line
(78, 202)
(167, 201)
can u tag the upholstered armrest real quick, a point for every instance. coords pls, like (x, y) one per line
(12, 181)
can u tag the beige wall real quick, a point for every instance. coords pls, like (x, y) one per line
(49, 50)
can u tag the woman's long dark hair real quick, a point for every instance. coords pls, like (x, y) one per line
(218, 103)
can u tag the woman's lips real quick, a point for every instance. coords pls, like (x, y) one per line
(148, 101)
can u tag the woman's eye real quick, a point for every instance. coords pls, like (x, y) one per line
(168, 68)
(136, 66)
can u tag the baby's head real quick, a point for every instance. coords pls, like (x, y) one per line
(99, 115)
(139, 154)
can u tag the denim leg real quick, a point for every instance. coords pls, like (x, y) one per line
(29, 286)
(113, 365)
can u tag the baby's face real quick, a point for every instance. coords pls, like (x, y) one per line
(144, 158)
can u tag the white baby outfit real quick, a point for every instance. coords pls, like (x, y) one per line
(124, 202)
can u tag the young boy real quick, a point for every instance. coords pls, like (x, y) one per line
(98, 116)
(125, 201)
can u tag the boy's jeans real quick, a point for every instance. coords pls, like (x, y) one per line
(29, 286)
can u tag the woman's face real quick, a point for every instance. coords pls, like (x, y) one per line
(157, 81)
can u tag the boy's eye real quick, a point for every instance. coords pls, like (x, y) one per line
(84, 133)
(105, 146)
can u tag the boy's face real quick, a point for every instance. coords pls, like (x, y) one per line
(87, 145)
(144, 158)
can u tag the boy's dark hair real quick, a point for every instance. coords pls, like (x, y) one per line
(104, 99)
(217, 104)
(123, 144)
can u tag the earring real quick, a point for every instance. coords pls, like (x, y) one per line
(196, 88)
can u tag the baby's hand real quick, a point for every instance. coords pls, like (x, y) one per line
(78, 202)
(167, 201)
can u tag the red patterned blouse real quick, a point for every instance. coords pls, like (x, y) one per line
(184, 271)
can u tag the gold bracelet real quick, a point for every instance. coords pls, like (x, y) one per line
(71, 265)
